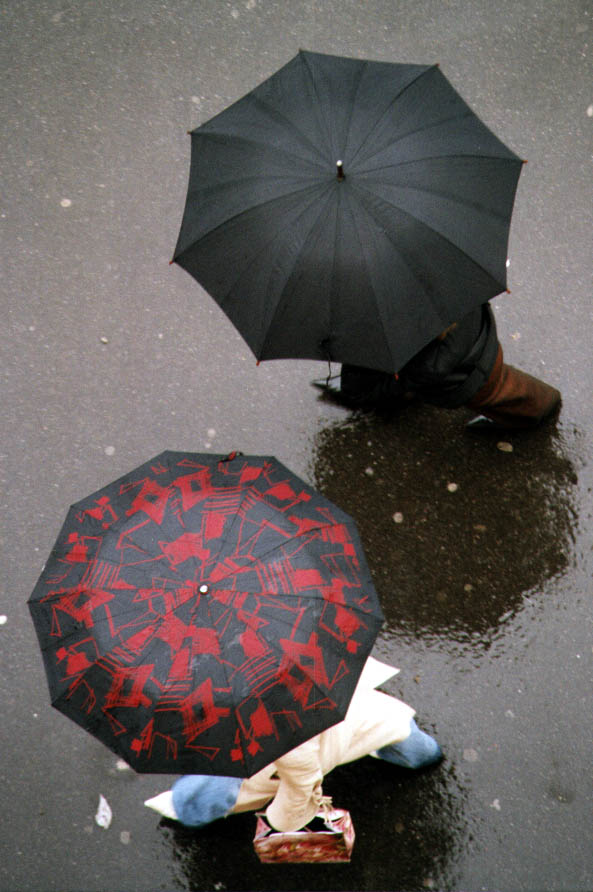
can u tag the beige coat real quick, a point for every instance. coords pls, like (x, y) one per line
(293, 782)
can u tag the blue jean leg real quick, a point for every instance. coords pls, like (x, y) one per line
(417, 751)
(199, 799)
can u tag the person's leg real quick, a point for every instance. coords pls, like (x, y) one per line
(197, 799)
(418, 750)
(513, 399)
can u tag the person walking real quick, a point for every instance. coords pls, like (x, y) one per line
(463, 366)
(290, 789)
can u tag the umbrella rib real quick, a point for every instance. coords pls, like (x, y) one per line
(234, 182)
(254, 259)
(504, 159)
(331, 289)
(253, 560)
(362, 254)
(82, 585)
(266, 554)
(438, 234)
(450, 197)
(467, 113)
(104, 621)
(362, 72)
(221, 136)
(280, 302)
(315, 105)
(273, 609)
(402, 256)
(137, 610)
(224, 666)
(254, 491)
(291, 126)
(393, 101)
(238, 214)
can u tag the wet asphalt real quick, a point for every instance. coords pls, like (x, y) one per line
(482, 557)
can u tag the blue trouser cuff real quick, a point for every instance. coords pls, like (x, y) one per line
(199, 799)
(416, 751)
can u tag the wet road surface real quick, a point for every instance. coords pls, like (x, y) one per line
(482, 557)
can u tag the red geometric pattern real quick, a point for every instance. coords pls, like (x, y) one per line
(205, 614)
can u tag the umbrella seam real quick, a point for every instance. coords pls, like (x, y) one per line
(411, 270)
(270, 551)
(282, 299)
(444, 238)
(332, 290)
(316, 105)
(363, 70)
(265, 249)
(249, 140)
(450, 197)
(369, 133)
(240, 213)
(369, 277)
(293, 538)
(292, 127)
(461, 155)
(467, 113)
(223, 663)
(198, 192)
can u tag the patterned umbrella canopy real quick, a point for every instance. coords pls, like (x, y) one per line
(205, 614)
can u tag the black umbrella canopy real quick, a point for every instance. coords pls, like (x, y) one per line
(205, 614)
(347, 210)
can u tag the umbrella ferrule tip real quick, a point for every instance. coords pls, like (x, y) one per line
(340, 169)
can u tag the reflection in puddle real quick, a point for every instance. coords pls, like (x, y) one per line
(456, 531)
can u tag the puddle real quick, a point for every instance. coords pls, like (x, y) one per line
(457, 532)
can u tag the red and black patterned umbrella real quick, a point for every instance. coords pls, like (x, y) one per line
(205, 614)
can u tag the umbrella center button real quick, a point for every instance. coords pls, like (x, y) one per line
(204, 589)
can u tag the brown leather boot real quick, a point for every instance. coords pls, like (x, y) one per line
(513, 399)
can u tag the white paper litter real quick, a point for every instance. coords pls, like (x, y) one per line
(104, 813)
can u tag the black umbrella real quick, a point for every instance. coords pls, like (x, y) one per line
(204, 614)
(347, 210)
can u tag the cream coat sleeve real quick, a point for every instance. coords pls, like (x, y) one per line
(293, 782)
(299, 793)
